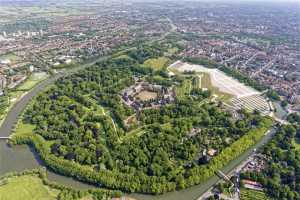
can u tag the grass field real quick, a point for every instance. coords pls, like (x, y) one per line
(253, 195)
(156, 63)
(27, 187)
(24, 128)
(146, 95)
(32, 81)
(206, 83)
(134, 133)
(184, 89)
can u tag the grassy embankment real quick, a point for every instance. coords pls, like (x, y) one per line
(27, 187)
(34, 185)
(157, 63)
(13, 96)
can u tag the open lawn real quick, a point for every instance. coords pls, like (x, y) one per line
(134, 133)
(184, 89)
(156, 63)
(27, 187)
(32, 81)
(218, 79)
(146, 95)
(206, 83)
(24, 128)
(253, 195)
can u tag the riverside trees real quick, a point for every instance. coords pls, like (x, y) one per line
(280, 178)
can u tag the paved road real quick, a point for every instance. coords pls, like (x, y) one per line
(13, 115)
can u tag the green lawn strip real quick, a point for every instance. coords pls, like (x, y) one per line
(247, 194)
(134, 133)
(27, 187)
(24, 128)
(156, 63)
(31, 82)
(184, 89)
(206, 83)
(34, 185)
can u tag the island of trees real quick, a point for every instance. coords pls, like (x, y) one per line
(83, 129)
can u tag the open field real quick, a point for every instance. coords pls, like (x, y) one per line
(226, 88)
(24, 128)
(184, 89)
(146, 95)
(156, 63)
(27, 187)
(219, 80)
(32, 81)
(253, 195)
(134, 133)
(207, 84)
(11, 13)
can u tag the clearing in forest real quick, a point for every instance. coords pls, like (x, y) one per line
(146, 95)
(156, 63)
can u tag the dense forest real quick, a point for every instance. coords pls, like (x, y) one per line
(281, 177)
(80, 129)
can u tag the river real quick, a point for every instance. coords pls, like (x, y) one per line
(19, 158)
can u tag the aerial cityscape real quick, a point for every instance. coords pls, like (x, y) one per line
(149, 100)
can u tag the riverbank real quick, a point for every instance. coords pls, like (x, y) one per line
(34, 185)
